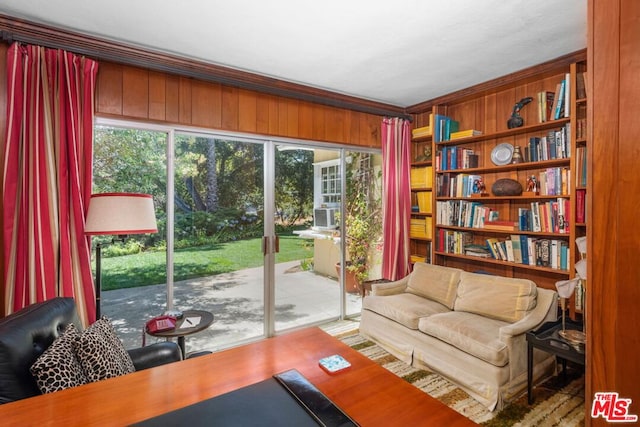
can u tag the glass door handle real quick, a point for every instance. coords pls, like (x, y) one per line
(266, 247)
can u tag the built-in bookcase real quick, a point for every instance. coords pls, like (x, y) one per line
(473, 225)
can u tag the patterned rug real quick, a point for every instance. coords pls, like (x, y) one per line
(558, 401)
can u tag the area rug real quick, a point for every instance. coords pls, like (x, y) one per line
(558, 401)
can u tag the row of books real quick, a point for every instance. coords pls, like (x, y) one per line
(420, 228)
(458, 185)
(528, 250)
(553, 216)
(562, 99)
(464, 213)
(545, 105)
(449, 158)
(443, 127)
(556, 144)
(553, 181)
(518, 248)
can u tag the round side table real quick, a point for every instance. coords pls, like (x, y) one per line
(188, 325)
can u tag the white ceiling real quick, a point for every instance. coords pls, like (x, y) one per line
(400, 52)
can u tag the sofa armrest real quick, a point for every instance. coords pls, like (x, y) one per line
(545, 311)
(513, 335)
(390, 288)
(155, 355)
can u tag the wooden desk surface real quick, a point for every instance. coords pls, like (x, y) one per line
(367, 392)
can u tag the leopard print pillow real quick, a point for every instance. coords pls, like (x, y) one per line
(101, 353)
(58, 368)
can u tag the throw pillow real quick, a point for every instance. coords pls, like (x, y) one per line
(58, 368)
(434, 282)
(503, 298)
(101, 352)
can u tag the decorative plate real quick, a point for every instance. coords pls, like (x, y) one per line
(501, 154)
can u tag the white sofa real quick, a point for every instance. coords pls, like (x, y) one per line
(468, 327)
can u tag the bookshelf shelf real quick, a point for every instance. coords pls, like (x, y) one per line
(507, 133)
(504, 232)
(505, 263)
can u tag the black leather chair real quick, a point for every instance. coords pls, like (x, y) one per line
(26, 334)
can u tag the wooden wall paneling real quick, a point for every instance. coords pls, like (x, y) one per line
(603, 284)
(334, 125)
(109, 89)
(274, 107)
(628, 337)
(262, 114)
(247, 111)
(135, 93)
(354, 127)
(284, 116)
(305, 120)
(184, 100)
(157, 96)
(230, 111)
(292, 118)
(206, 102)
(318, 122)
(373, 125)
(172, 98)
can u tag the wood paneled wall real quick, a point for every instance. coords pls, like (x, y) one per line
(613, 290)
(128, 92)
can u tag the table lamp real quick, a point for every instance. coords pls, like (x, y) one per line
(118, 214)
(565, 290)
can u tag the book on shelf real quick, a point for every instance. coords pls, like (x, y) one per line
(424, 201)
(567, 95)
(501, 225)
(464, 133)
(423, 130)
(421, 177)
(581, 90)
(420, 228)
(580, 206)
(545, 105)
(477, 251)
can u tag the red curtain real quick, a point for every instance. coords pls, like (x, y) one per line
(396, 164)
(47, 177)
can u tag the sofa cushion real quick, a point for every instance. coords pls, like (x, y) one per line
(101, 352)
(471, 333)
(58, 368)
(405, 308)
(434, 282)
(502, 298)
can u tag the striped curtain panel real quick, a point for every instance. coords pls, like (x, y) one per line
(47, 178)
(396, 198)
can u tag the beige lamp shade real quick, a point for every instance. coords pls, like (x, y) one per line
(121, 214)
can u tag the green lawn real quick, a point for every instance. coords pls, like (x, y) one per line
(149, 268)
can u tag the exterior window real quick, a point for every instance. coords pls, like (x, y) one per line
(327, 184)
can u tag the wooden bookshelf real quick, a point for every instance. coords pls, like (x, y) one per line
(488, 111)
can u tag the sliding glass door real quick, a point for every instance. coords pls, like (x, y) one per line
(248, 229)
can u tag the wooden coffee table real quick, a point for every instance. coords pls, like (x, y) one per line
(367, 392)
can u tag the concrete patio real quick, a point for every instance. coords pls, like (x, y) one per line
(236, 300)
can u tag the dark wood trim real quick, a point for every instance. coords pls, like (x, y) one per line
(504, 82)
(13, 29)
